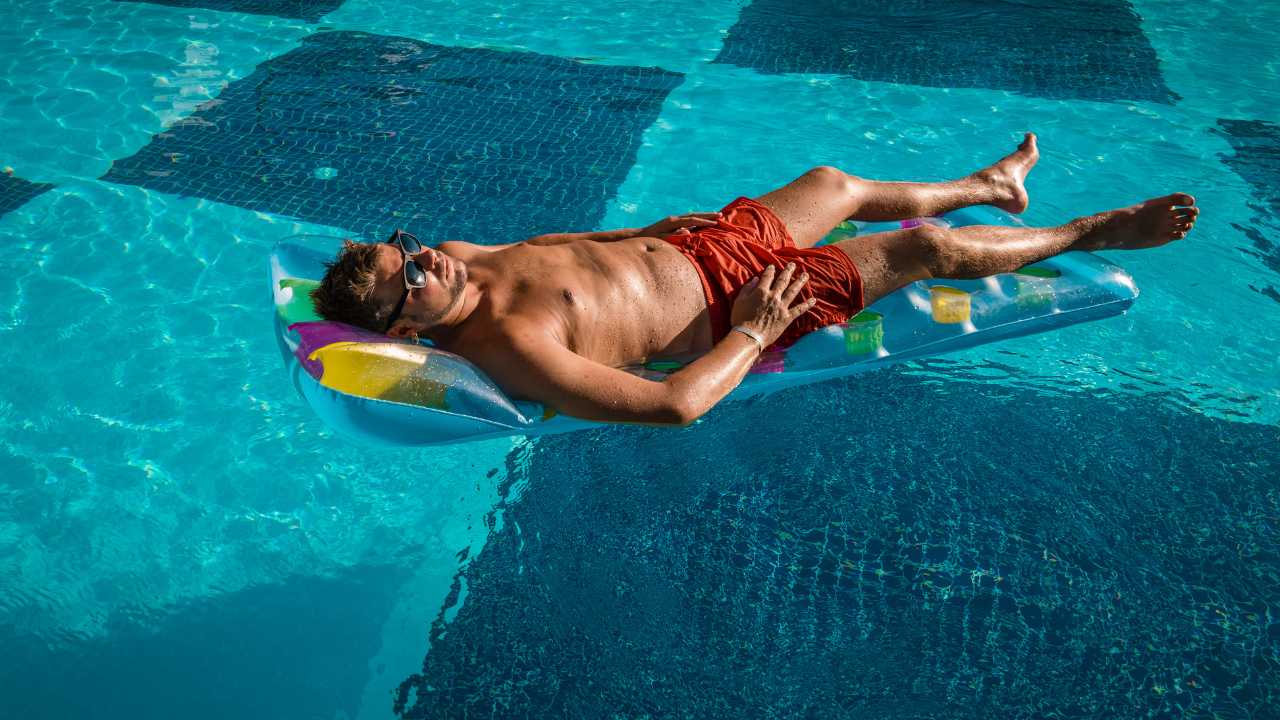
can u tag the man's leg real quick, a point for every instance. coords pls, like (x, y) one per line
(890, 260)
(811, 205)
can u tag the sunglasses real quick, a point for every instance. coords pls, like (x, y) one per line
(414, 276)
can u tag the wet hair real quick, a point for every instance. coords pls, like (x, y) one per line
(346, 293)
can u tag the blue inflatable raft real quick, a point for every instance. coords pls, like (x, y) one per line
(374, 388)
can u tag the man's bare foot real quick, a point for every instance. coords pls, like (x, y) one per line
(1145, 225)
(1006, 177)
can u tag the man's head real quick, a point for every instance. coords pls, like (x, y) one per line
(363, 285)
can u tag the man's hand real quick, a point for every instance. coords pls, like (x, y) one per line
(680, 224)
(766, 304)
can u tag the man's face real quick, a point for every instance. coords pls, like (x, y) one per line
(425, 307)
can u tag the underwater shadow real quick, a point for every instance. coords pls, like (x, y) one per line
(890, 544)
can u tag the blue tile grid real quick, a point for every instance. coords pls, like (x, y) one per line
(15, 192)
(309, 10)
(369, 132)
(1257, 159)
(1089, 50)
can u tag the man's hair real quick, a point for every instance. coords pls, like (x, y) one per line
(346, 293)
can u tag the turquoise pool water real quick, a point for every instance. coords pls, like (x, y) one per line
(1082, 524)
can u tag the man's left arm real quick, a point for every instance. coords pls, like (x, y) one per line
(600, 236)
(665, 226)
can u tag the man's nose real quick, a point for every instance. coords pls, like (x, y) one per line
(435, 258)
(426, 259)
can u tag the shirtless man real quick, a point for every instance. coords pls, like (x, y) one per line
(552, 318)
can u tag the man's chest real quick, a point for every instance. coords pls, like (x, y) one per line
(611, 302)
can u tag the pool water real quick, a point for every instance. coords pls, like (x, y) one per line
(1078, 524)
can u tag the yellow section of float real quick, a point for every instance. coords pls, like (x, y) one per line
(386, 371)
(950, 305)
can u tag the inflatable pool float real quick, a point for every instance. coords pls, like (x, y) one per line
(375, 388)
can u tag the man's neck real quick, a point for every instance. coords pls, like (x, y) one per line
(456, 317)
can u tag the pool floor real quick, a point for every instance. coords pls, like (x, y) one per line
(1080, 524)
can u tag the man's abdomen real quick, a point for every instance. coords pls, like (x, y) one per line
(649, 303)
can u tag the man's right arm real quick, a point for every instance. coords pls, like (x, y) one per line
(540, 368)
(534, 365)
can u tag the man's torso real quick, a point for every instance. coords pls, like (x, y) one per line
(617, 303)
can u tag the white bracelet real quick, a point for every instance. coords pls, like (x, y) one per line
(751, 334)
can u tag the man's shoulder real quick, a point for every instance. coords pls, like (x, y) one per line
(462, 248)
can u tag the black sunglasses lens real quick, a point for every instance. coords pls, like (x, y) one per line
(410, 243)
(414, 274)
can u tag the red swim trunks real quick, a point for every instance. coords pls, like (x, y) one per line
(749, 238)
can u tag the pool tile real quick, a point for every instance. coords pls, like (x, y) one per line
(1092, 50)
(15, 192)
(371, 132)
(1257, 160)
(309, 10)
(883, 546)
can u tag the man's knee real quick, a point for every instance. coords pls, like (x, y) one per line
(835, 177)
(930, 249)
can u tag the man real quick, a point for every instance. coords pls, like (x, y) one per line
(553, 318)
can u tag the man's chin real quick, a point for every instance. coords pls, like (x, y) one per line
(459, 282)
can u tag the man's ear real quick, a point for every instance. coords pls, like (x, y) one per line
(400, 331)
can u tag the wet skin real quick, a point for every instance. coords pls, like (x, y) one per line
(550, 319)
(617, 303)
